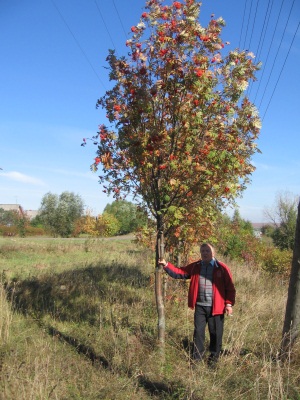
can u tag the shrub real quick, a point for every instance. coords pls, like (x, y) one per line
(277, 261)
(8, 230)
(34, 231)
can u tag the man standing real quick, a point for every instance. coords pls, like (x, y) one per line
(211, 294)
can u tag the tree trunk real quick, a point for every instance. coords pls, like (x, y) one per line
(291, 324)
(159, 289)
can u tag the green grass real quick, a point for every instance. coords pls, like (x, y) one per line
(78, 321)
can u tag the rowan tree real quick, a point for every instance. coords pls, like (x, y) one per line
(181, 133)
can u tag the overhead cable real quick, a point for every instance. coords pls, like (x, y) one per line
(266, 29)
(78, 44)
(119, 19)
(241, 34)
(105, 25)
(269, 49)
(281, 71)
(247, 26)
(263, 28)
(254, 19)
(277, 53)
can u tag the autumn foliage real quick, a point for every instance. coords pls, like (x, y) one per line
(104, 225)
(182, 132)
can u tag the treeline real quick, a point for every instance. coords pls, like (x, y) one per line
(270, 248)
(236, 239)
(64, 216)
(273, 251)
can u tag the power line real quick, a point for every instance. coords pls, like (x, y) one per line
(243, 23)
(260, 45)
(277, 53)
(78, 44)
(249, 47)
(253, 24)
(264, 34)
(247, 26)
(281, 71)
(105, 25)
(270, 46)
(263, 28)
(120, 19)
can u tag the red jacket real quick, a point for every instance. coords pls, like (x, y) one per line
(223, 287)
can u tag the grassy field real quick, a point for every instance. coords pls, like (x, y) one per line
(78, 321)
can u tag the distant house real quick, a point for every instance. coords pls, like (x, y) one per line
(19, 209)
(257, 226)
(13, 207)
(32, 214)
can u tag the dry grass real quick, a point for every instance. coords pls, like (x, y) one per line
(78, 321)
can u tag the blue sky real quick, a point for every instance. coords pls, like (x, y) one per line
(53, 71)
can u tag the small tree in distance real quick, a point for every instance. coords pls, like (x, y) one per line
(59, 213)
(183, 135)
(283, 217)
(103, 225)
(128, 215)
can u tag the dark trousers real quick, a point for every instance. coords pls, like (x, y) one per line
(215, 324)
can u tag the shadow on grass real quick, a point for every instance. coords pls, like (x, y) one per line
(163, 390)
(87, 351)
(78, 294)
(155, 388)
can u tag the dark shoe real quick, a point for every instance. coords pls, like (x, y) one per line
(195, 362)
(212, 361)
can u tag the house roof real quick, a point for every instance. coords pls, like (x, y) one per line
(19, 209)
(11, 207)
(259, 225)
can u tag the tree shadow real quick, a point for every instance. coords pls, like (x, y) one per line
(87, 351)
(76, 295)
(162, 390)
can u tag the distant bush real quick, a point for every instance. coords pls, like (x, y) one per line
(15, 231)
(277, 261)
(241, 244)
(8, 230)
(34, 231)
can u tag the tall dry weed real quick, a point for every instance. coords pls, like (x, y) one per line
(6, 315)
(84, 327)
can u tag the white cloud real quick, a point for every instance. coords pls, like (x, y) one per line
(19, 177)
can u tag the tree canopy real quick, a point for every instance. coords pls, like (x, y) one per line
(128, 214)
(104, 225)
(8, 217)
(59, 213)
(283, 216)
(183, 133)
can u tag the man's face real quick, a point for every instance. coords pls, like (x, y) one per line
(206, 253)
